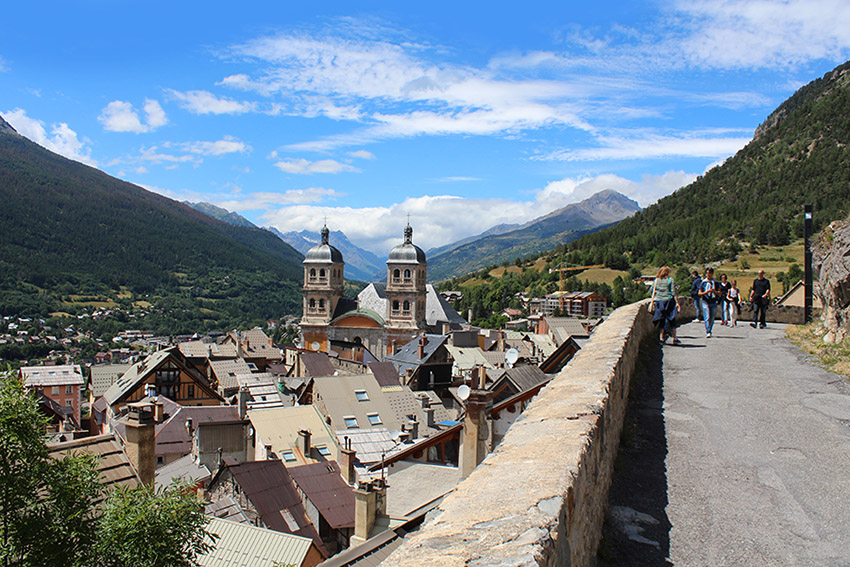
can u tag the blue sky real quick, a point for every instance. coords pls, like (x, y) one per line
(460, 114)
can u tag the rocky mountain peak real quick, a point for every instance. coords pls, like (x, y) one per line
(6, 128)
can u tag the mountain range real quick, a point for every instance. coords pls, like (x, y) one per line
(70, 229)
(507, 242)
(360, 264)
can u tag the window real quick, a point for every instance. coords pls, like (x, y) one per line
(191, 391)
(69, 389)
(288, 456)
(395, 307)
(321, 306)
(55, 390)
(312, 274)
(350, 422)
(405, 309)
(407, 276)
(362, 395)
(396, 276)
(374, 419)
(69, 403)
(312, 308)
(323, 451)
(322, 274)
(167, 381)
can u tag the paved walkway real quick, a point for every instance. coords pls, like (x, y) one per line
(736, 452)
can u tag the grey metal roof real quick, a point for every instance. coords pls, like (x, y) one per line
(39, 376)
(408, 355)
(185, 468)
(370, 444)
(526, 377)
(243, 545)
(413, 485)
(323, 252)
(438, 310)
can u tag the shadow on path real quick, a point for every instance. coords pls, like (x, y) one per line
(637, 530)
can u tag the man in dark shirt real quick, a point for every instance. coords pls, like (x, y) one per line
(695, 295)
(760, 298)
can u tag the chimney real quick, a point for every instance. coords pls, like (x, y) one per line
(158, 411)
(190, 429)
(370, 503)
(446, 328)
(141, 447)
(414, 428)
(242, 398)
(347, 456)
(305, 442)
(268, 452)
(421, 352)
(501, 343)
(429, 416)
(476, 432)
(393, 347)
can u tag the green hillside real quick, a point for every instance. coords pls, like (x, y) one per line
(69, 230)
(799, 155)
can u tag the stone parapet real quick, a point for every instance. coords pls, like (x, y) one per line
(791, 314)
(540, 498)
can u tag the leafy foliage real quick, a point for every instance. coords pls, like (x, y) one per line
(48, 515)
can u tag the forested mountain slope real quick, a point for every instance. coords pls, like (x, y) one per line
(70, 229)
(800, 155)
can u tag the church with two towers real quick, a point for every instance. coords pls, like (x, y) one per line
(383, 316)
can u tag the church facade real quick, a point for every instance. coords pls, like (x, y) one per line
(383, 316)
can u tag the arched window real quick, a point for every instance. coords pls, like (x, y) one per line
(322, 274)
(407, 275)
(406, 308)
(312, 307)
(395, 306)
(321, 306)
(312, 274)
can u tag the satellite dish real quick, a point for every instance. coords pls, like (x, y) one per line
(463, 392)
(315, 345)
(511, 356)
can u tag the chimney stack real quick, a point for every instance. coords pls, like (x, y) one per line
(150, 390)
(268, 452)
(158, 411)
(414, 428)
(370, 503)
(347, 456)
(242, 399)
(421, 352)
(429, 416)
(305, 442)
(141, 446)
(501, 343)
(476, 432)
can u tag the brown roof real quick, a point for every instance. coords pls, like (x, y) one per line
(317, 364)
(113, 465)
(269, 487)
(324, 487)
(385, 373)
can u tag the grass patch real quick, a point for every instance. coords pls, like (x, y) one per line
(832, 357)
(601, 275)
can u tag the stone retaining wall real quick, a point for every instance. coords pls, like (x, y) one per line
(540, 498)
(791, 314)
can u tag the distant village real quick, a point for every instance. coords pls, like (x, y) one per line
(324, 452)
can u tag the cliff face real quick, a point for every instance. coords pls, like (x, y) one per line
(831, 262)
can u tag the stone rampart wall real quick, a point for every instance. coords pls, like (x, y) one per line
(540, 498)
(775, 313)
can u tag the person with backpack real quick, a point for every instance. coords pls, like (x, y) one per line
(666, 304)
(695, 296)
(708, 294)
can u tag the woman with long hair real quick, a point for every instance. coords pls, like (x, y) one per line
(666, 304)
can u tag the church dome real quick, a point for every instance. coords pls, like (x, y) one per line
(407, 252)
(323, 253)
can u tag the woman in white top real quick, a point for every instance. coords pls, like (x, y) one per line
(733, 298)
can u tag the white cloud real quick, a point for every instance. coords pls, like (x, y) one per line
(362, 154)
(631, 145)
(204, 102)
(458, 178)
(120, 116)
(442, 219)
(303, 166)
(61, 139)
(227, 145)
(4, 66)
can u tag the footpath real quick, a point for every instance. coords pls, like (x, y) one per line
(736, 451)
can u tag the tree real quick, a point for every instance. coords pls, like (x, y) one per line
(45, 503)
(48, 511)
(146, 527)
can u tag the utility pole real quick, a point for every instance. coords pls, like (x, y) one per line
(807, 283)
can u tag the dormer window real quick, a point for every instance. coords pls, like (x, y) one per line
(361, 395)
(374, 419)
(350, 422)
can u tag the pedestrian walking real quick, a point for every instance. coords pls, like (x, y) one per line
(723, 288)
(708, 299)
(733, 300)
(760, 298)
(666, 305)
(695, 296)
